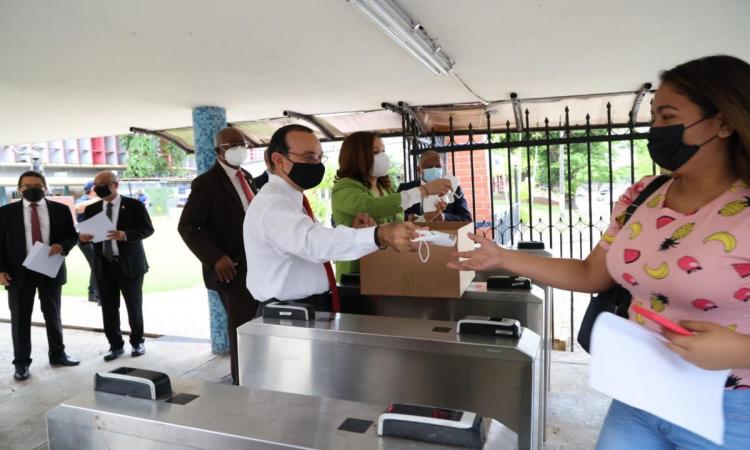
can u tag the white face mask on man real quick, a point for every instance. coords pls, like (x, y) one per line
(380, 165)
(235, 156)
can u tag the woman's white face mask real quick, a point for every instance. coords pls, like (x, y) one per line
(235, 156)
(380, 165)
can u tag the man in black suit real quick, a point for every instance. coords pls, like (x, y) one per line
(120, 262)
(211, 226)
(23, 223)
(430, 168)
(262, 179)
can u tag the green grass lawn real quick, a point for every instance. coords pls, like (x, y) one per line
(172, 265)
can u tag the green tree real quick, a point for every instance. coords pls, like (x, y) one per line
(149, 157)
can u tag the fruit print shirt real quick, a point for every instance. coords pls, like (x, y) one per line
(685, 266)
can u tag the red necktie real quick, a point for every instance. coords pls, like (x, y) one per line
(327, 265)
(36, 228)
(245, 187)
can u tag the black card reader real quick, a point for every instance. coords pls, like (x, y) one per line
(530, 245)
(289, 310)
(350, 278)
(489, 326)
(434, 425)
(508, 282)
(133, 382)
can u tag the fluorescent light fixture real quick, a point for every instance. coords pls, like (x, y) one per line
(407, 33)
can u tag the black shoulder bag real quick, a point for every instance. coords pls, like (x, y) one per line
(617, 299)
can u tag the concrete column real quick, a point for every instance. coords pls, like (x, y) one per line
(207, 121)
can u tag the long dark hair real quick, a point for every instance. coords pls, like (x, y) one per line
(356, 159)
(720, 84)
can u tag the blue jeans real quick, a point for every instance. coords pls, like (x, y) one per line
(628, 428)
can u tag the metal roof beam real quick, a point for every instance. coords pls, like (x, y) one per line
(164, 136)
(312, 121)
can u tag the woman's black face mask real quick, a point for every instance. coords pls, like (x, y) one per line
(667, 147)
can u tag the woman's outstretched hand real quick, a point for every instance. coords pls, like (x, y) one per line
(489, 256)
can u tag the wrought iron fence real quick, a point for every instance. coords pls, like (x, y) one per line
(585, 164)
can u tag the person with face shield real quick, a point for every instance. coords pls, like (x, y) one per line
(120, 262)
(288, 250)
(211, 226)
(363, 187)
(430, 168)
(22, 224)
(684, 251)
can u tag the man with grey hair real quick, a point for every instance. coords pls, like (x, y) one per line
(120, 262)
(430, 167)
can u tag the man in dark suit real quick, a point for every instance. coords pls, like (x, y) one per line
(262, 179)
(430, 168)
(23, 223)
(211, 226)
(120, 262)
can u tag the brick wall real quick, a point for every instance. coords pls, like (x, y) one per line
(481, 179)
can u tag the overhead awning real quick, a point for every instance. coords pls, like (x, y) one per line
(601, 109)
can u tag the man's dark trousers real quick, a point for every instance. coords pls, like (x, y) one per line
(113, 282)
(21, 305)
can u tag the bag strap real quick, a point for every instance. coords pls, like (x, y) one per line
(650, 188)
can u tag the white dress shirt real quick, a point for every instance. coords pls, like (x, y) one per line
(43, 222)
(115, 215)
(232, 174)
(286, 249)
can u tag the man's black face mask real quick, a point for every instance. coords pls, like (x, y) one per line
(102, 191)
(306, 176)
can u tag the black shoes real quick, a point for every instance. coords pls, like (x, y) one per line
(113, 354)
(22, 373)
(139, 350)
(63, 360)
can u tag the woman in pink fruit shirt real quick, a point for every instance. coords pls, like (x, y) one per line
(684, 253)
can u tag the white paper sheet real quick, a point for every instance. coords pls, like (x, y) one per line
(633, 365)
(98, 226)
(39, 261)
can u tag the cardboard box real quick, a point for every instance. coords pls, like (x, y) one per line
(388, 272)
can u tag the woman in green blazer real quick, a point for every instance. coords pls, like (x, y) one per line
(363, 186)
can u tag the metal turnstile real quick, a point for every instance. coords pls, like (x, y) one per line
(526, 306)
(377, 359)
(546, 331)
(530, 307)
(228, 418)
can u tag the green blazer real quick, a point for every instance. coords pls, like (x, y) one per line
(349, 198)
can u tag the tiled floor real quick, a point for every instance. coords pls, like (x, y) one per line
(575, 413)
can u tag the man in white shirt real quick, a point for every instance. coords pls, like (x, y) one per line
(288, 251)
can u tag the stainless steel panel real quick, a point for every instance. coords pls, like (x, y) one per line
(226, 417)
(525, 306)
(377, 359)
(545, 332)
(532, 308)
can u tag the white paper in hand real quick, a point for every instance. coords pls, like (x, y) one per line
(633, 365)
(98, 226)
(39, 261)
